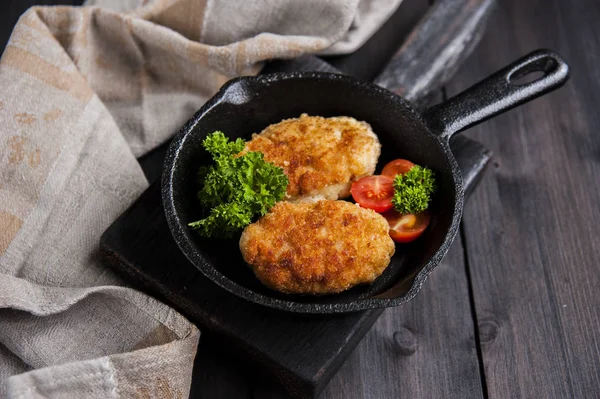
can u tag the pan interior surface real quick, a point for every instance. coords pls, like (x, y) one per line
(248, 105)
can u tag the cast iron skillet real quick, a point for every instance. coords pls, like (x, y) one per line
(247, 105)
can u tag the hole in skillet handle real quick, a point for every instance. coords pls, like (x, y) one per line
(525, 78)
(532, 72)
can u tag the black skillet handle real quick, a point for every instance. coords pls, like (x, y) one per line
(498, 93)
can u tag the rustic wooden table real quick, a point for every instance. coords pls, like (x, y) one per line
(514, 310)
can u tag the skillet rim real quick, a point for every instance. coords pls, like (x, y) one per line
(188, 248)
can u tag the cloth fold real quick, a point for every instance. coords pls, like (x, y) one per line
(83, 314)
(83, 92)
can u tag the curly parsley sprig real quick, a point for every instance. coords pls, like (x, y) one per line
(237, 189)
(413, 189)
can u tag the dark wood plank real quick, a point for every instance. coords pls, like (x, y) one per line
(424, 349)
(532, 227)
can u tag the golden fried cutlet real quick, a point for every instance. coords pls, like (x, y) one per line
(320, 156)
(322, 247)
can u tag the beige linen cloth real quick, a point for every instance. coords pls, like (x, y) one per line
(83, 92)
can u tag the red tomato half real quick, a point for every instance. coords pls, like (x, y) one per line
(374, 192)
(397, 167)
(407, 228)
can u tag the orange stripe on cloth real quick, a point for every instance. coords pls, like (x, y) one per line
(9, 227)
(32, 20)
(73, 83)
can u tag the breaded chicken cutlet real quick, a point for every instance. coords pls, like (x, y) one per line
(321, 156)
(323, 247)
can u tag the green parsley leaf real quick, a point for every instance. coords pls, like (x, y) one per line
(413, 190)
(237, 189)
(218, 145)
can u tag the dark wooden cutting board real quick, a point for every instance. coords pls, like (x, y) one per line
(301, 352)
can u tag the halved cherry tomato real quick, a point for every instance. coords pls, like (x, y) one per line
(397, 167)
(407, 228)
(374, 192)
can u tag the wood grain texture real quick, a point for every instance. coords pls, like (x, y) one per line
(532, 228)
(424, 349)
(440, 43)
